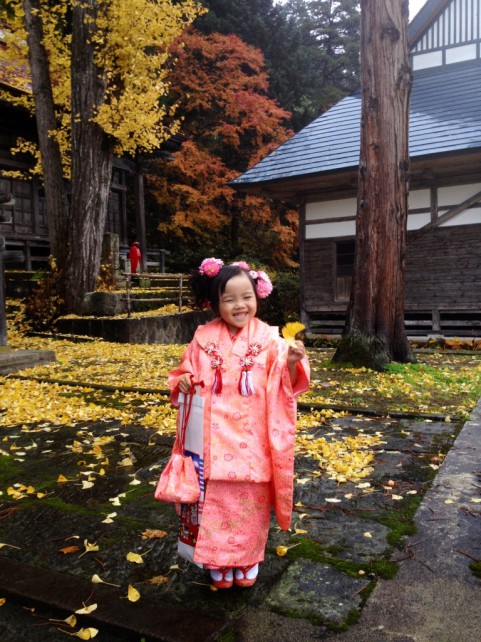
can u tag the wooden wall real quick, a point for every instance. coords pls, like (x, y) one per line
(443, 269)
(442, 283)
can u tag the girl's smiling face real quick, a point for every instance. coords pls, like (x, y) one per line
(238, 303)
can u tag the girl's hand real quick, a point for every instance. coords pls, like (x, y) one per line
(295, 354)
(185, 383)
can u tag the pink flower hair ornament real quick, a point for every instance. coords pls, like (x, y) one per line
(263, 283)
(242, 264)
(210, 267)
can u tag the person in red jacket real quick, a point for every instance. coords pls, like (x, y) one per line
(134, 257)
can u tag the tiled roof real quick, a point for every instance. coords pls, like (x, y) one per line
(445, 117)
(14, 75)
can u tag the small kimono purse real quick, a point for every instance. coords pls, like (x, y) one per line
(179, 482)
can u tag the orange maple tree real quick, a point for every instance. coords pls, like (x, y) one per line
(220, 83)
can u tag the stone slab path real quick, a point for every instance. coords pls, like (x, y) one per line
(304, 595)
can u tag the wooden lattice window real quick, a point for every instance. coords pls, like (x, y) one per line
(344, 267)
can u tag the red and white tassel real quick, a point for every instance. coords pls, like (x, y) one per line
(246, 386)
(217, 387)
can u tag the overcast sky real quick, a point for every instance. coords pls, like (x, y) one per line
(414, 6)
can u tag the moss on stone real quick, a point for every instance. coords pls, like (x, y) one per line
(307, 549)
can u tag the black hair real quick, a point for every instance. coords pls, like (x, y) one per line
(208, 289)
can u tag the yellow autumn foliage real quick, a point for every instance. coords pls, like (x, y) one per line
(346, 459)
(131, 43)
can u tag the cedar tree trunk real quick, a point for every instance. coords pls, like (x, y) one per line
(375, 333)
(56, 201)
(92, 157)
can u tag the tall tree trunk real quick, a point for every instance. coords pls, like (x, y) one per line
(92, 158)
(375, 333)
(56, 201)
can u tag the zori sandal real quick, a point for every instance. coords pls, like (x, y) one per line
(246, 575)
(222, 578)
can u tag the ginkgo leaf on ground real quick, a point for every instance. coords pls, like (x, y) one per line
(86, 610)
(133, 594)
(96, 579)
(136, 558)
(151, 533)
(90, 548)
(71, 621)
(85, 634)
(69, 549)
(158, 580)
(282, 550)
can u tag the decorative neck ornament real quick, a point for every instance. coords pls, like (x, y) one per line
(246, 385)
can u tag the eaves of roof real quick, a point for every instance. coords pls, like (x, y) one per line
(445, 117)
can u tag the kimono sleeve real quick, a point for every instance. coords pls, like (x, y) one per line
(281, 427)
(186, 365)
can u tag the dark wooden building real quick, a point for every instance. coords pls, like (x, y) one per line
(318, 169)
(28, 229)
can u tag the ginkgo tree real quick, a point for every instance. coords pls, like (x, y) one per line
(99, 86)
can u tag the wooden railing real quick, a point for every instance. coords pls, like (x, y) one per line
(180, 278)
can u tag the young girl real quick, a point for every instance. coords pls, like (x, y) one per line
(249, 378)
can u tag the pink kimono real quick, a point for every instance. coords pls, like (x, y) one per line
(248, 440)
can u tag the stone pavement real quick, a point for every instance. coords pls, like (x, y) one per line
(323, 583)
(435, 597)
(13, 360)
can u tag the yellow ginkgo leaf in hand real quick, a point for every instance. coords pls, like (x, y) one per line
(133, 595)
(290, 330)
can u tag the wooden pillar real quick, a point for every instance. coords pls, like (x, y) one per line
(140, 217)
(302, 261)
(3, 315)
(5, 256)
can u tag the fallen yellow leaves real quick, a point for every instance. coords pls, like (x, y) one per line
(158, 580)
(281, 551)
(347, 459)
(9, 545)
(86, 610)
(150, 533)
(84, 634)
(136, 366)
(89, 548)
(133, 594)
(21, 491)
(134, 558)
(96, 579)
(34, 402)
